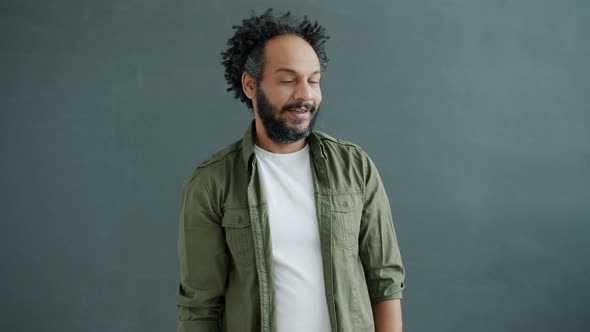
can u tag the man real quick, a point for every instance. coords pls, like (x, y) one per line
(287, 229)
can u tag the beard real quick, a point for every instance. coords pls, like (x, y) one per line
(277, 128)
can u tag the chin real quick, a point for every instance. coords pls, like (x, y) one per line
(300, 127)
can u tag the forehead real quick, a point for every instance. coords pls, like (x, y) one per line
(290, 51)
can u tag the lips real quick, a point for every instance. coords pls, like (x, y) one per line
(299, 112)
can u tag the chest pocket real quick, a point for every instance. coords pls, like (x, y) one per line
(238, 236)
(347, 209)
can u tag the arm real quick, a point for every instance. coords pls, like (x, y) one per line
(203, 260)
(388, 316)
(379, 253)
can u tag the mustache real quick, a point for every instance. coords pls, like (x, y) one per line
(300, 104)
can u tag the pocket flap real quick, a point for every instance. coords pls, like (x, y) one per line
(347, 202)
(236, 218)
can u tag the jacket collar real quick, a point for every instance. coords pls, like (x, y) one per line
(248, 143)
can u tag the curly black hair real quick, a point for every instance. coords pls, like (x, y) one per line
(246, 46)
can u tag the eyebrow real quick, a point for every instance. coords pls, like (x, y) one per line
(293, 71)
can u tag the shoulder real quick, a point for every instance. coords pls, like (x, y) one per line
(328, 139)
(214, 165)
(227, 154)
(340, 147)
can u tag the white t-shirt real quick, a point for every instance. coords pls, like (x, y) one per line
(300, 300)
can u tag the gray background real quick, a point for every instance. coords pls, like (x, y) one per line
(475, 112)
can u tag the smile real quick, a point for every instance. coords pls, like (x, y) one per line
(299, 112)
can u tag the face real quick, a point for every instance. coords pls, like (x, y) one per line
(276, 121)
(288, 97)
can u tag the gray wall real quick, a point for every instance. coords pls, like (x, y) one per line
(475, 112)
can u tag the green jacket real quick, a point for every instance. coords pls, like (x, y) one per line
(226, 265)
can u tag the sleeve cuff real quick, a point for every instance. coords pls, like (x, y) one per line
(393, 296)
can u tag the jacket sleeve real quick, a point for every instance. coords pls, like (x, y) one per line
(203, 259)
(378, 247)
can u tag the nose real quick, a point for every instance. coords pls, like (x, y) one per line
(303, 92)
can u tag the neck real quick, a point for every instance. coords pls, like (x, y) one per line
(264, 142)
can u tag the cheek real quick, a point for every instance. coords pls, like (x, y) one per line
(318, 96)
(278, 96)
(284, 94)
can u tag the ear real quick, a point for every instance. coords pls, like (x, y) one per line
(248, 85)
